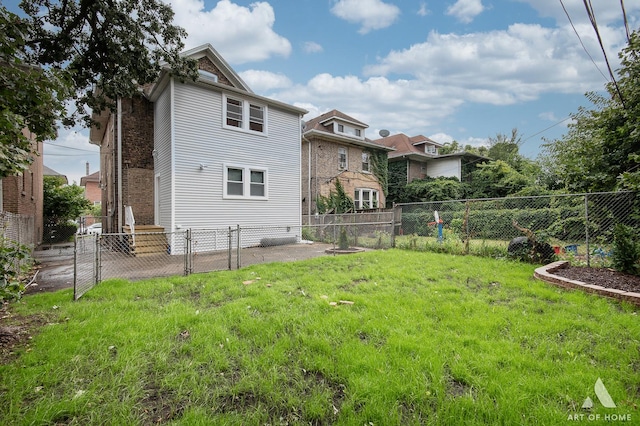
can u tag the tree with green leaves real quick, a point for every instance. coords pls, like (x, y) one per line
(62, 202)
(85, 53)
(434, 189)
(497, 179)
(599, 151)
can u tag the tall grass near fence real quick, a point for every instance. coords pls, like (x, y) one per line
(385, 337)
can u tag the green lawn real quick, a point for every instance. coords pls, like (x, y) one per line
(429, 339)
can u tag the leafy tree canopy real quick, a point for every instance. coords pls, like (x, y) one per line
(497, 179)
(63, 202)
(434, 189)
(84, 53)
(599, 151)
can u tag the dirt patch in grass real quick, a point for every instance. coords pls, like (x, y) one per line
(16, 332)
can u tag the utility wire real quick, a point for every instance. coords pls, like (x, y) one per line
(626, 22)
(70, 147)
(592, 18)
(580, 39)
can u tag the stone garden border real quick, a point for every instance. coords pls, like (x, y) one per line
(546, 273)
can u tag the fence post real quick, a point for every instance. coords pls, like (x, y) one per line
(97, 260)
(586, 227)
(187, 252)
(229, 243)
(393, 226)
(238, 249)
(75, 267)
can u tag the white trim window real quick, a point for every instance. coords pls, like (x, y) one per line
(342, 158)
(239, 114)
(365, 162)
(245, 182)
(365, 198)
(431, 149)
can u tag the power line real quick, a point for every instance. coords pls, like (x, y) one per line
(70, 147)
(544, 130)
(626, 22)
(592, 18)
(580, 39)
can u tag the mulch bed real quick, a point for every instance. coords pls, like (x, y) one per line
(603, 277)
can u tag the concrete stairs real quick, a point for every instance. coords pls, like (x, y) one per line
(149, 240)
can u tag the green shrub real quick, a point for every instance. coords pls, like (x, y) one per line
(15, 259)
(626, 250)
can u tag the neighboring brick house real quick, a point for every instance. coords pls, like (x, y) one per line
(22, 194)
(205, 154)
(92, 191)
(418, 157)
(334, 146)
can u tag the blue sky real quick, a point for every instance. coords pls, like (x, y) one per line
(460, 70)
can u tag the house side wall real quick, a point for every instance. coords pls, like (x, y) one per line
(417, 170)
(108, 176)
(92, 192)
(446, 167)
(201, 139)
(137, 158)
(23, 194)
(163, 160)
(324, 169)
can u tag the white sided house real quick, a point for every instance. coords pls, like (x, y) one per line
(221, 156)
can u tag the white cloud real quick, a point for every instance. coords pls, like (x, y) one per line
(376, 101)
(466, 10)
(423, 11)
(240, 34)
(441, 138)
(497, 67)
(70, 152)
(606, 11)
(548, 116)
(311, 47)
(370, 14)
(261, 81)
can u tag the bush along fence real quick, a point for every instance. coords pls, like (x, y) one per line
(579, 227)
(99, 257)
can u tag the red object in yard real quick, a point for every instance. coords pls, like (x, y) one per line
(557, 249)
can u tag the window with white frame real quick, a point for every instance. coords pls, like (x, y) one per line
(244, 115)
(430, 149)
(365, 161)
(342, 158)
(365, 198)
(245, 182)
(358, 132)
(234, 112)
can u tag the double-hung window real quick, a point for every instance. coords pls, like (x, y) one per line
(365, 162)
(365, 198)
(244, 115)
(342, 158)
(245, 182)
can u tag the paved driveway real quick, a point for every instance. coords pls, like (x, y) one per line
(56, 263)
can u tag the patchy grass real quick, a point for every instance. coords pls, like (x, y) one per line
(394, 337)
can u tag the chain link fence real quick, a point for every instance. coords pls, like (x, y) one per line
(99, 257)
(18, 230)
(364, 230)
(578, 227)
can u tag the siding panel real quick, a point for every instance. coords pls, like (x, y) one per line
(201, 139)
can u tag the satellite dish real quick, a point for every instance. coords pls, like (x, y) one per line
(384, 133)
(303, 124)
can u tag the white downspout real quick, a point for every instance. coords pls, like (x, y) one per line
(119, 149)
(308, 175)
